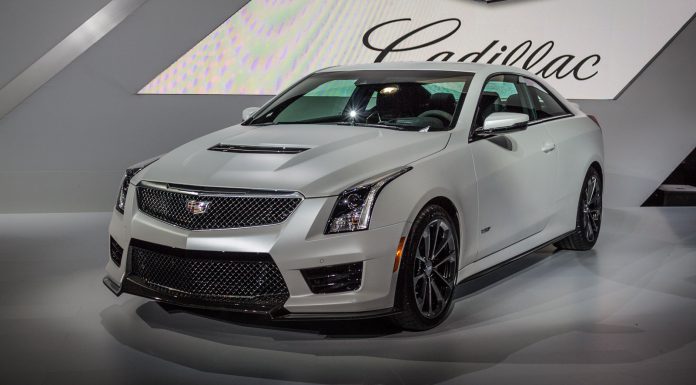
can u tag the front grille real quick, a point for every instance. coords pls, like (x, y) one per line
(334, 279)
(116, 251)
(215, 210)
(211, 277)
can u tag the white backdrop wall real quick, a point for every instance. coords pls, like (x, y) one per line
(589, 49)
(65, 147)
(650, 129)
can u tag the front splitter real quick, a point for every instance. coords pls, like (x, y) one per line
(274, 312)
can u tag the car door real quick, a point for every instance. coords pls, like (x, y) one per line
(515, 171)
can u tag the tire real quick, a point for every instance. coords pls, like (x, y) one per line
(589, 215)
(428, 274)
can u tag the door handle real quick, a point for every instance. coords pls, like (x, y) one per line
(548, 147)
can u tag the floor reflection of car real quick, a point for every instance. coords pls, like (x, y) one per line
(362, 191)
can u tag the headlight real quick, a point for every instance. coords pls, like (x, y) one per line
(353, 208)
(130, 173)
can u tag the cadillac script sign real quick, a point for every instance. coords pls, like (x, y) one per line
(590, 49)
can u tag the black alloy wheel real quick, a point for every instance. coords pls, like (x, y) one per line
(428, 272)
(589, 216)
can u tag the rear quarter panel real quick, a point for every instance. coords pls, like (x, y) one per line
(579, 144)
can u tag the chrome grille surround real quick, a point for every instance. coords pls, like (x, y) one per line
(221, 208)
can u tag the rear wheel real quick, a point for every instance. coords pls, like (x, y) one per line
(428, 271)
(589, 216)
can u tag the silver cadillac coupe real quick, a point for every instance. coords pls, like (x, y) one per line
(362, 191)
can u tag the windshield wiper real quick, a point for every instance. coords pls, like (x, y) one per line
(263, 124)
(341, 123)
(273, 123)
(376, 125)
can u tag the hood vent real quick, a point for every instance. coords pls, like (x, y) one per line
(257, 149)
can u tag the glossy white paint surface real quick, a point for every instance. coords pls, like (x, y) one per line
(512, 192)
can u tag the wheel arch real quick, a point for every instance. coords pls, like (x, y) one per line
(467, 244)
(442, 198)
(401, 299)
(451, 209)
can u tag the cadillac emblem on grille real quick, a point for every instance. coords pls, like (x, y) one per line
(197, 207)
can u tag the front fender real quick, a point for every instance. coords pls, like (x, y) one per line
(448, 174)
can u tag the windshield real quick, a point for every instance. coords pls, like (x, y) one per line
(403, 100)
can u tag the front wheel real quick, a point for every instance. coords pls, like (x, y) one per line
(428, 271)
(589, 215)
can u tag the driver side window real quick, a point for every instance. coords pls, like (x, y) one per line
(503, 93)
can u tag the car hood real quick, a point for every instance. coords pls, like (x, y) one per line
(336, 157)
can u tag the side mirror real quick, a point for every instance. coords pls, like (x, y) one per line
(249, 111)
(499, 122)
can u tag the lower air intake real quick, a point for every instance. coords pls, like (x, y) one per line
(224, 278)
(116, 251)
(334, 279)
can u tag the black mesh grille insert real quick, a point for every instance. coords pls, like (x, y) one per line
(214, 211)
(116, 251)
(334, 279)
(212, 277)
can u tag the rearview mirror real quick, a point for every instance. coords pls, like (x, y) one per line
(499, 122)
(248, 112)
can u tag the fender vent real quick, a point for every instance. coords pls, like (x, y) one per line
(257, 149)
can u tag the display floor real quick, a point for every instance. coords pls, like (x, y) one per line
(624, 313)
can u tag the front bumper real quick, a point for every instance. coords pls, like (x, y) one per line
(296, 244)
(280, 313)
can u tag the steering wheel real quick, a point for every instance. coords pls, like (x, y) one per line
(439, 114)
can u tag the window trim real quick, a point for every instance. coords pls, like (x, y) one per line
(534, 122)
(555, 98)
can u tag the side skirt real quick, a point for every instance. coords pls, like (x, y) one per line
(513, 259)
